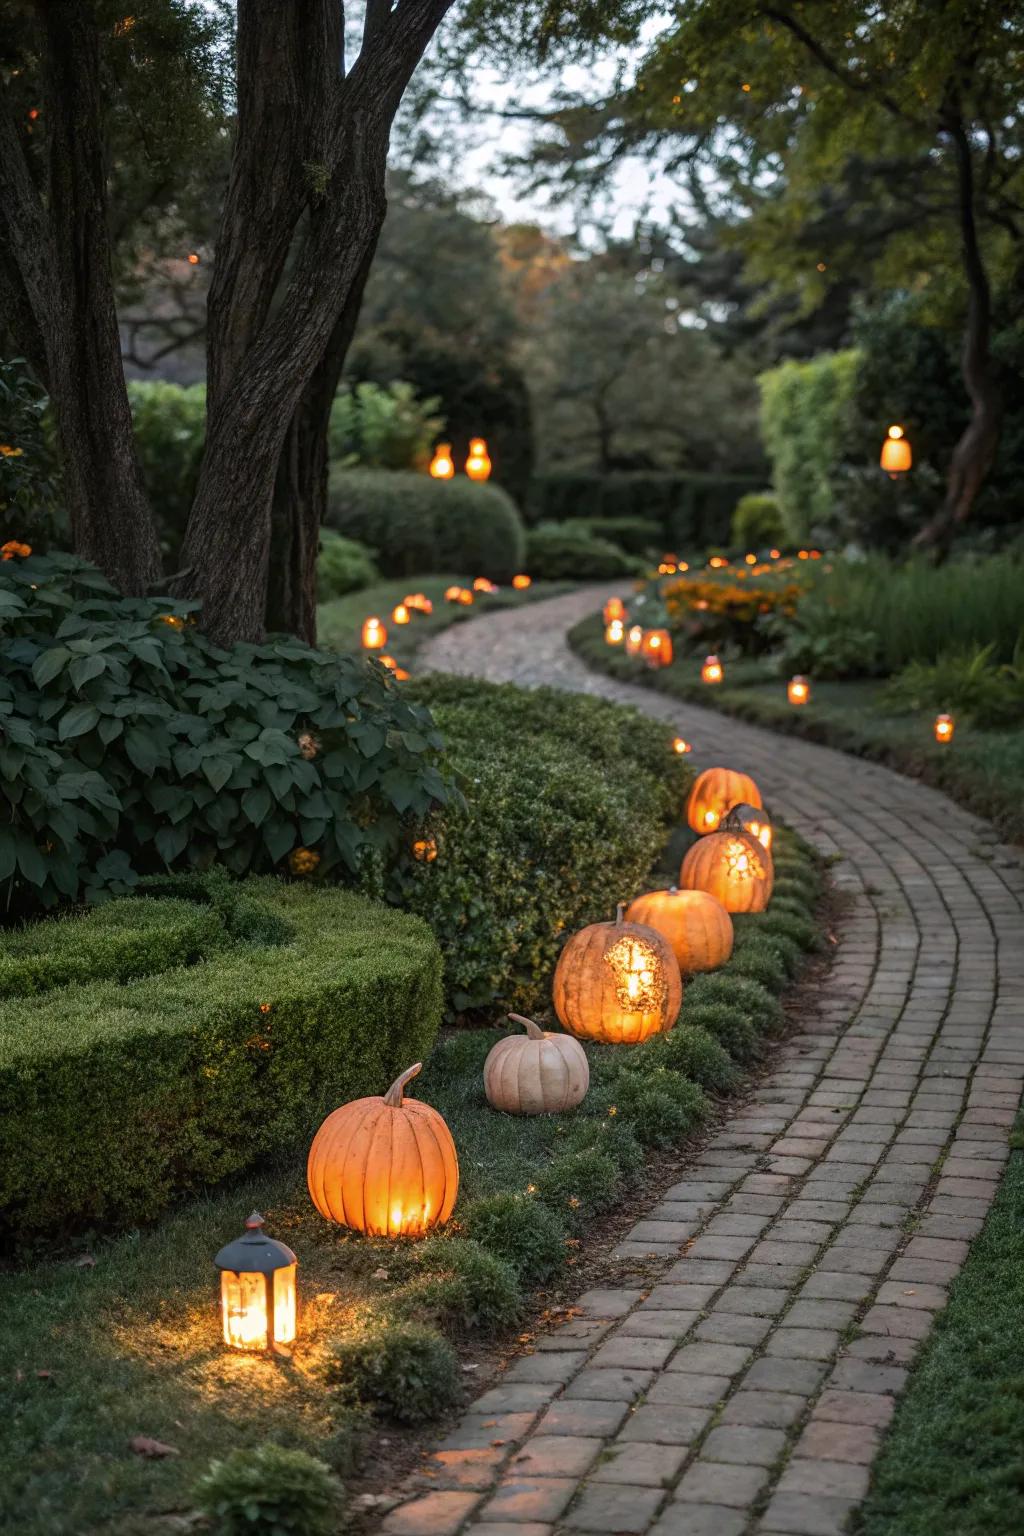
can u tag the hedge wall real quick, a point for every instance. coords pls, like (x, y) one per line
(806, 421)
(162, 1043)
(693, 509)
(415, 524)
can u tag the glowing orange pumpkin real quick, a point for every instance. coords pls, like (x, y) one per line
(695, 923)
(618, 982)
(713, 792)
(384, 1166)
(731, 866)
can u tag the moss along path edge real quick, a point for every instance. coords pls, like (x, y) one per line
(745, 1393)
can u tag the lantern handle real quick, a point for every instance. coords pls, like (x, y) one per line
(393, 1097)
(532, 1029)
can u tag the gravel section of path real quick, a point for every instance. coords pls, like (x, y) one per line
(807, 1253)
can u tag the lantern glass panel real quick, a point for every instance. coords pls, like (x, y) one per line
(244, 1309)
(284, 1305)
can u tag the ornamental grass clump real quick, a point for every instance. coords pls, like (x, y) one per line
(578, 1186)
(465, 1289)
(270, 1491)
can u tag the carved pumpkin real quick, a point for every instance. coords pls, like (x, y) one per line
(714, 791)
(695, 923)
(617, 982)
(750, 819)
(732, 866)
(384, 1166)
(538, 1073)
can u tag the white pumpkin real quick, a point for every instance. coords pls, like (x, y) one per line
(538, 1073)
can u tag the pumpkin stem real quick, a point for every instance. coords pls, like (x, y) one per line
(620, 912)
(393, 1097)
(533, 1030)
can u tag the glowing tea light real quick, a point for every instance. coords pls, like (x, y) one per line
(613, 609)
(400, 613)
(481, 584)
(798, 690)
(614, 632)
(657, 648)
(712, 671)
(944, 727)
(521, 582)
(896, 458)
(634, 640)
(257, 1291)
(775, 554)
(442, 465)
(681, 746)
(452, 594)
(750, 559)
(374, 634)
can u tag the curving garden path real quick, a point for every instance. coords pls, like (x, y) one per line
(802, 1260)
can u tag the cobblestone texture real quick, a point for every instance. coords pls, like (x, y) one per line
(806, 1254)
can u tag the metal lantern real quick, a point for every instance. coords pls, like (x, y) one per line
(712, 671)
(896, 456)
(478, 464)
(798, 690)
(944, 727)
(442, 465)
(375, 636)
(257, 1291)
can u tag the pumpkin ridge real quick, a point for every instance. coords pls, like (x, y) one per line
(429, 1124)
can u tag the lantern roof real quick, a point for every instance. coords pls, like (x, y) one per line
(254, 1252)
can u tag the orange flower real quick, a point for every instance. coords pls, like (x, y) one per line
(7, 452)
(303, 861)
(12, 548)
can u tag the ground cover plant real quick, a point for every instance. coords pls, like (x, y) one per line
(952, 1458)
(118, 1337)
(886, 648)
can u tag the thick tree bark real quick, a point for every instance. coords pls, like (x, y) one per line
(976, 449)
(56, 262)
(227, 542)
(300, 490)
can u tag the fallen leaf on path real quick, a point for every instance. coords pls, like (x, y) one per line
(154, 1450)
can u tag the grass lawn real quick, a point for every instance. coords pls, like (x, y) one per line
(339, 622)
(953, 1462)
(983, 770)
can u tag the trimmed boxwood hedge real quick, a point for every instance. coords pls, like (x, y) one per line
(416, 525)
(568, 801)
(222, 1030)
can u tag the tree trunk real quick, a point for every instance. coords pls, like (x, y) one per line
(61, 250)
(976, 449)
(300, 490)
(226, 553)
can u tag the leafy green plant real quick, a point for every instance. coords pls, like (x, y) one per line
(693, 1053)
(662, 1106)
(824, 642)
(270, 1491)
(636, 535)
(806, 421)
(522, 1231)
(170, 436)
(579, 1185)
(757, 521)
(132, 744)
(466, 1289)
(557, 551)
(380, 426)
(416, 525)
(971, 683)
(343, 565)
(402, 1372)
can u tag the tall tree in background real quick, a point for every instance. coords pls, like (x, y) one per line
(303, 209)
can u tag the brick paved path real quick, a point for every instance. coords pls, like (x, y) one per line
(806, 1253)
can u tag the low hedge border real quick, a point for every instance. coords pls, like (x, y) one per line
(994, 796)
(227, 1034)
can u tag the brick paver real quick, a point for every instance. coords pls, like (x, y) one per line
(742, 1389)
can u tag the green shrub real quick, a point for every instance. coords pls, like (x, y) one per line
(693, 508)
(973, 685)
(610, 1135)
(342, 566)
(758, 959)
(636, 535)
(402, 1372)
(30, 490)
(520, 1230)
(120, 1093)
(578, 1186)
(562, 551)
(466, 1289)
(567, 802)
(270, 1491)
(415, 524)
(662, 1107)
(757, 521)
(826, 643)
(694, 1054)
(740, 993)
(789, 925)
(383, 426)
(132, 744)
(170, 435)
(806, 422)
